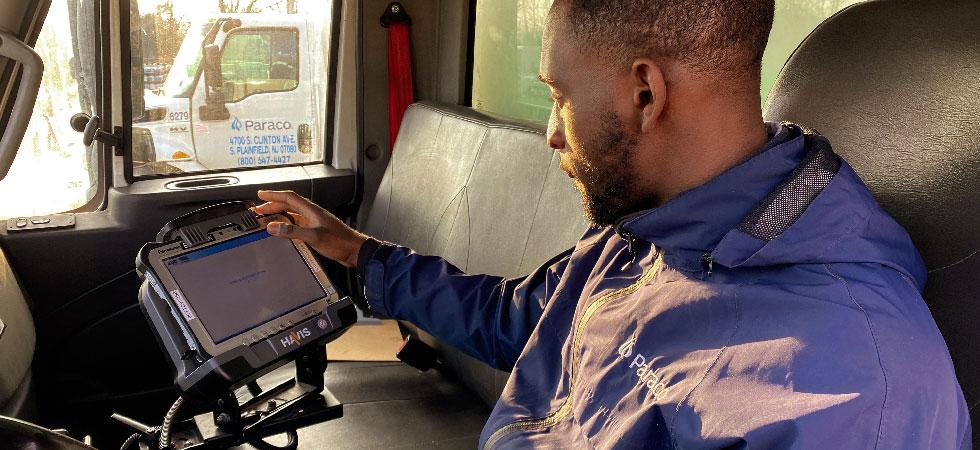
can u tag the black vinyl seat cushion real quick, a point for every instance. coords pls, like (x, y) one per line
(484, 193)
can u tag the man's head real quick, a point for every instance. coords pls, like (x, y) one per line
(637, 83)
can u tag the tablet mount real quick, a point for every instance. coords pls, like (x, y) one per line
(209, 382)
(282, 409)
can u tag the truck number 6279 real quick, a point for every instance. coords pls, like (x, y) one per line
(178, 116)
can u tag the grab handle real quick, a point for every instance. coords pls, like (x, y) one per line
(20, 115)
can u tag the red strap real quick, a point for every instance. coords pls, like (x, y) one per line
(400, 91)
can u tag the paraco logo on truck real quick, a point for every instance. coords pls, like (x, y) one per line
(260, 125)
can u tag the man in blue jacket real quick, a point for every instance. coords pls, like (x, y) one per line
(740, 286)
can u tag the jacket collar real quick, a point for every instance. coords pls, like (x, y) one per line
(795, 202)
(694, 222)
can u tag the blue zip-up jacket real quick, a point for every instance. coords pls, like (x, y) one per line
(775, 306)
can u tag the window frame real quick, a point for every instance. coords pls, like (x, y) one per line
(127, 109)
(103, 101)
(251, 30)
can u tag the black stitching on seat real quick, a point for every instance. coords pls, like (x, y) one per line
(958, 262)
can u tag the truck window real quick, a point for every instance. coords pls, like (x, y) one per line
(260, 61)
(229, 85)
(507, 49)
(53, 171)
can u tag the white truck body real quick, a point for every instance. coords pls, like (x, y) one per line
(265, 122)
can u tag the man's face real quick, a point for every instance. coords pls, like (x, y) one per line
(595, 146)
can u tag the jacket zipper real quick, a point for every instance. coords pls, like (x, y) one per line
(630, 239)
(566, 407)
(707, 265)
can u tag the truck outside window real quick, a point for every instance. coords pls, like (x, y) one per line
(246, 85)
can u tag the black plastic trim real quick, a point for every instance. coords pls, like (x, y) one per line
(331, 113)
(200, 183)
(470, 54)
(126, 64)
(359, 56)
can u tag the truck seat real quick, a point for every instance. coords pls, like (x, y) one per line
(16, 344)
(484, 193)
(894, 86)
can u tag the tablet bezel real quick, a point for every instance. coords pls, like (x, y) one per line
(184, 311)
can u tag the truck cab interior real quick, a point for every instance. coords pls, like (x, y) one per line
(465, 174)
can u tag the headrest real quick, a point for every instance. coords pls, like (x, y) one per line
(895, 87)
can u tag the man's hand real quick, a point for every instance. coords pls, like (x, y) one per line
(314, 225)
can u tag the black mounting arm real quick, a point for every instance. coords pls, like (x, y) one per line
(285, 408)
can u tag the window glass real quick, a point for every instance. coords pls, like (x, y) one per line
(179, 75)
(507, 55)
(261, 61)
(53, 170)
(229, 84)
(507, 49)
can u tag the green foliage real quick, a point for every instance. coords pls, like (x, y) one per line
(237, 6)
(255, 6)
(167, 30)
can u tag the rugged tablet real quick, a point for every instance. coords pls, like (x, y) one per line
(229, 302)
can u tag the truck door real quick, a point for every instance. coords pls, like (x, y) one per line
(253, 107)
(77, 270)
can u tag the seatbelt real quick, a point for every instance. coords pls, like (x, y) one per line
(401, 94)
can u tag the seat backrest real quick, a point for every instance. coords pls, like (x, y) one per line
(17, 341)
(895, 86)
(483, 193)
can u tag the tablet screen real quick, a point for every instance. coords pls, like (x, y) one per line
(244, 282)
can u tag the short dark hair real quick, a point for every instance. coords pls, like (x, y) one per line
(710, 36)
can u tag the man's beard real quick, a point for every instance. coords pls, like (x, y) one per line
(603, 173)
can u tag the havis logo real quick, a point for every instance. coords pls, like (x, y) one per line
(295, 337)
(647, 375)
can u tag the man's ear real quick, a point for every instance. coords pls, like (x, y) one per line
(649, 92)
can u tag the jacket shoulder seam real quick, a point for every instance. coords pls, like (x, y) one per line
(874, 339)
